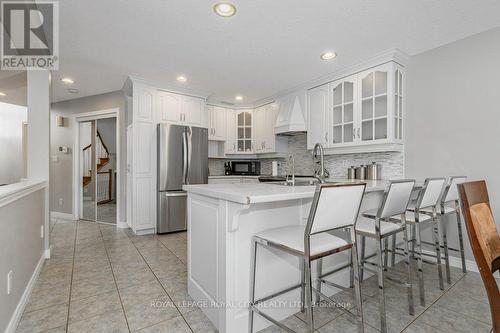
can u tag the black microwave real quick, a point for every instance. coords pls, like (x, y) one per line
(246, 168)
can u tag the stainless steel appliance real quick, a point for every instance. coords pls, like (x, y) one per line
(351, 172)
(373, 171)
(182, 159)
(246, 168)
(361, 172)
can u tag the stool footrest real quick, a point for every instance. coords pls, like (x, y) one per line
(271, 319)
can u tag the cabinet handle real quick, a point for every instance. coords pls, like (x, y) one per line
(358, 134)
(326, 137)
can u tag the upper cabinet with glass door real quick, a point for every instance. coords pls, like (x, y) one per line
(364, 112)
(374, 104)
(343, 117)
(244, 127)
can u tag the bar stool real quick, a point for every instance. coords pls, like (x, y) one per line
(394, 203)
(449, 205)
(334, 207)
(428, 198)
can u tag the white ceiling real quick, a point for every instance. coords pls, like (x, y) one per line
(267, 47)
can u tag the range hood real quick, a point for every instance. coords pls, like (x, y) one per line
(290, 120)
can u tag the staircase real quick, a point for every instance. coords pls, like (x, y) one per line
(102, 156)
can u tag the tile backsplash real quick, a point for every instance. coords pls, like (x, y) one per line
(391, 162)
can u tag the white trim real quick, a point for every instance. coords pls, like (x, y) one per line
(455, 261)
(122, 225)
(100, 114)
(141, 232)
(14, 192)
(16, 316)
(63, 216)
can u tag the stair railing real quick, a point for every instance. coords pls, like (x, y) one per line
(102, 152)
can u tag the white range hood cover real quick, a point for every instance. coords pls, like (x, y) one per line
(290, 118)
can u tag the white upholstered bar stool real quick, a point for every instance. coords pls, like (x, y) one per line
(428, 198)
(334, 207)
(449, 205)
(394, 204)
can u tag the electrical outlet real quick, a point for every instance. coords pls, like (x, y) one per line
(344, 163)
(60, 202)
(41, 232)
(9, 282)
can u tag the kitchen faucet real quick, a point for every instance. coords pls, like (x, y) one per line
(291, 159)
(322, 173)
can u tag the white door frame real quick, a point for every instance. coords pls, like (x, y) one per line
(77, 183)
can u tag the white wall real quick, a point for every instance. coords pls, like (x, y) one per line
(11, 142)
(22, 248)
(453, 113)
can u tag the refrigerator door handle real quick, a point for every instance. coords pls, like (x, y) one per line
(184, 158)
(189, 151)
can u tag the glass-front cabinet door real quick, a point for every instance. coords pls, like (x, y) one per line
(244, 132)
(374, 104)
(343, 126)
(398, 105)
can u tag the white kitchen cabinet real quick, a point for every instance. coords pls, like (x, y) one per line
(216, 123)
(244, 132)
(230, 144)
(343, 121)
(318, 114)
(266, 141)
(362, 112)
(181, 109)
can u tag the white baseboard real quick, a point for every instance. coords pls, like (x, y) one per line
(142, 232)
(64, 216)
(455, 261)
(47, 252)
(122, 225)
(16, 316)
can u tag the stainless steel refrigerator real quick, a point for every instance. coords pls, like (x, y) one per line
(182, 159)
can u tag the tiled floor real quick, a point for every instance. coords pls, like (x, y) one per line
(103, 279)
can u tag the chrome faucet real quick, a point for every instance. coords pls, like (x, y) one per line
(291, 159)
(322, 173)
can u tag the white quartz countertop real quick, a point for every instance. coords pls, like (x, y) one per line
(266, 192)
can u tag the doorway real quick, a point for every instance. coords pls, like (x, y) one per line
(98, 169)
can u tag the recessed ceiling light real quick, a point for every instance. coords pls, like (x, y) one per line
(225, 9)
(328, 55)
(73, 90)
(67, 80)
(238, 98)
(182, 78)
(2, 94)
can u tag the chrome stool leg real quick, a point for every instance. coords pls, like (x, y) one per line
(362, 260)
(319, 272)
(309, 308)
(386, 253)
(445, 249)
(393, 254)
(413, 239)
(437, 245)
(357, 289)
(352, 260)
(420, 264)
(383, 324)
(408, 269)
(302, 286)
(460, 237)
(253, 259)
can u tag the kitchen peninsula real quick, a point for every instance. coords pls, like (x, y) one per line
(222, 218)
